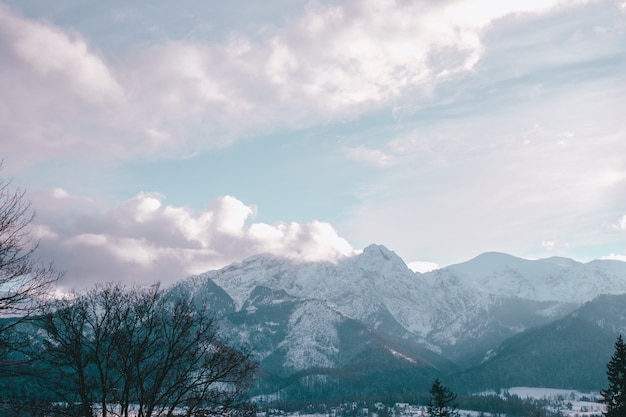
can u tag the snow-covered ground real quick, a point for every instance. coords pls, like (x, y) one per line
(570, 403)
(549, 393)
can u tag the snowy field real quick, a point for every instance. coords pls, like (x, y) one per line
(568, 403)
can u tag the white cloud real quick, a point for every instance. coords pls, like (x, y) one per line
(230, 215)
(479, 13)
(374, 157)
(50, 51)
(422, 267)
(60, 193)
(90, 239)
(147, 207)
(280, 63)
(42, 231)
(144, 240)
(615, 257)
(462, 171)
(332, 62)
(316, 241)
(621, 223)
(470, 184)
(59, 95)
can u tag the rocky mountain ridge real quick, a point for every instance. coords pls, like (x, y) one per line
(371, 311)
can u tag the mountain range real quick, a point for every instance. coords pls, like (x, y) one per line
(368, 324)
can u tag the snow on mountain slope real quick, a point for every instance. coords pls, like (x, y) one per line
(290, 334)
(358, 286)
(551, 279)
(311, 339)
(463, 306)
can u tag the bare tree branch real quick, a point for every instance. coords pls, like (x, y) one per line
(25, 282)
(144, 352)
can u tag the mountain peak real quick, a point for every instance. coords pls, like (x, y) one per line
(378, 250)
(486, 263)
(495, 257)
(376, 256)
(561, 261)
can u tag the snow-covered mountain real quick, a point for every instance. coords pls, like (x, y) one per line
(551, 279)
(371, 308)
(495, 296)
(367, 287)
(569, 352)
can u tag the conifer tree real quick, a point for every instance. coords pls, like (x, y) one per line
(615, 394)
(441, 402)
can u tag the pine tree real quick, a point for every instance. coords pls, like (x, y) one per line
(441, 402)
(615, 394)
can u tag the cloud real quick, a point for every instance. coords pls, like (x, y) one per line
(50, 52)
(374, 157)
(621, 223)
(422, 267)
(616, 257)
(521, 175)
(474, 169)
(144, 240)
(64, 97)
(57, 92)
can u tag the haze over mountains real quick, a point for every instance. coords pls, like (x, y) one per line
(369, 320)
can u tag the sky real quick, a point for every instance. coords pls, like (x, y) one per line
(160, 139)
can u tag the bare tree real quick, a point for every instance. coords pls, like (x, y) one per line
(145, 352)
(193, 370)
(24, 280)
(65, 354)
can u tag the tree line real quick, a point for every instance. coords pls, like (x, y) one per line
(119, 351)
(138, 351)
